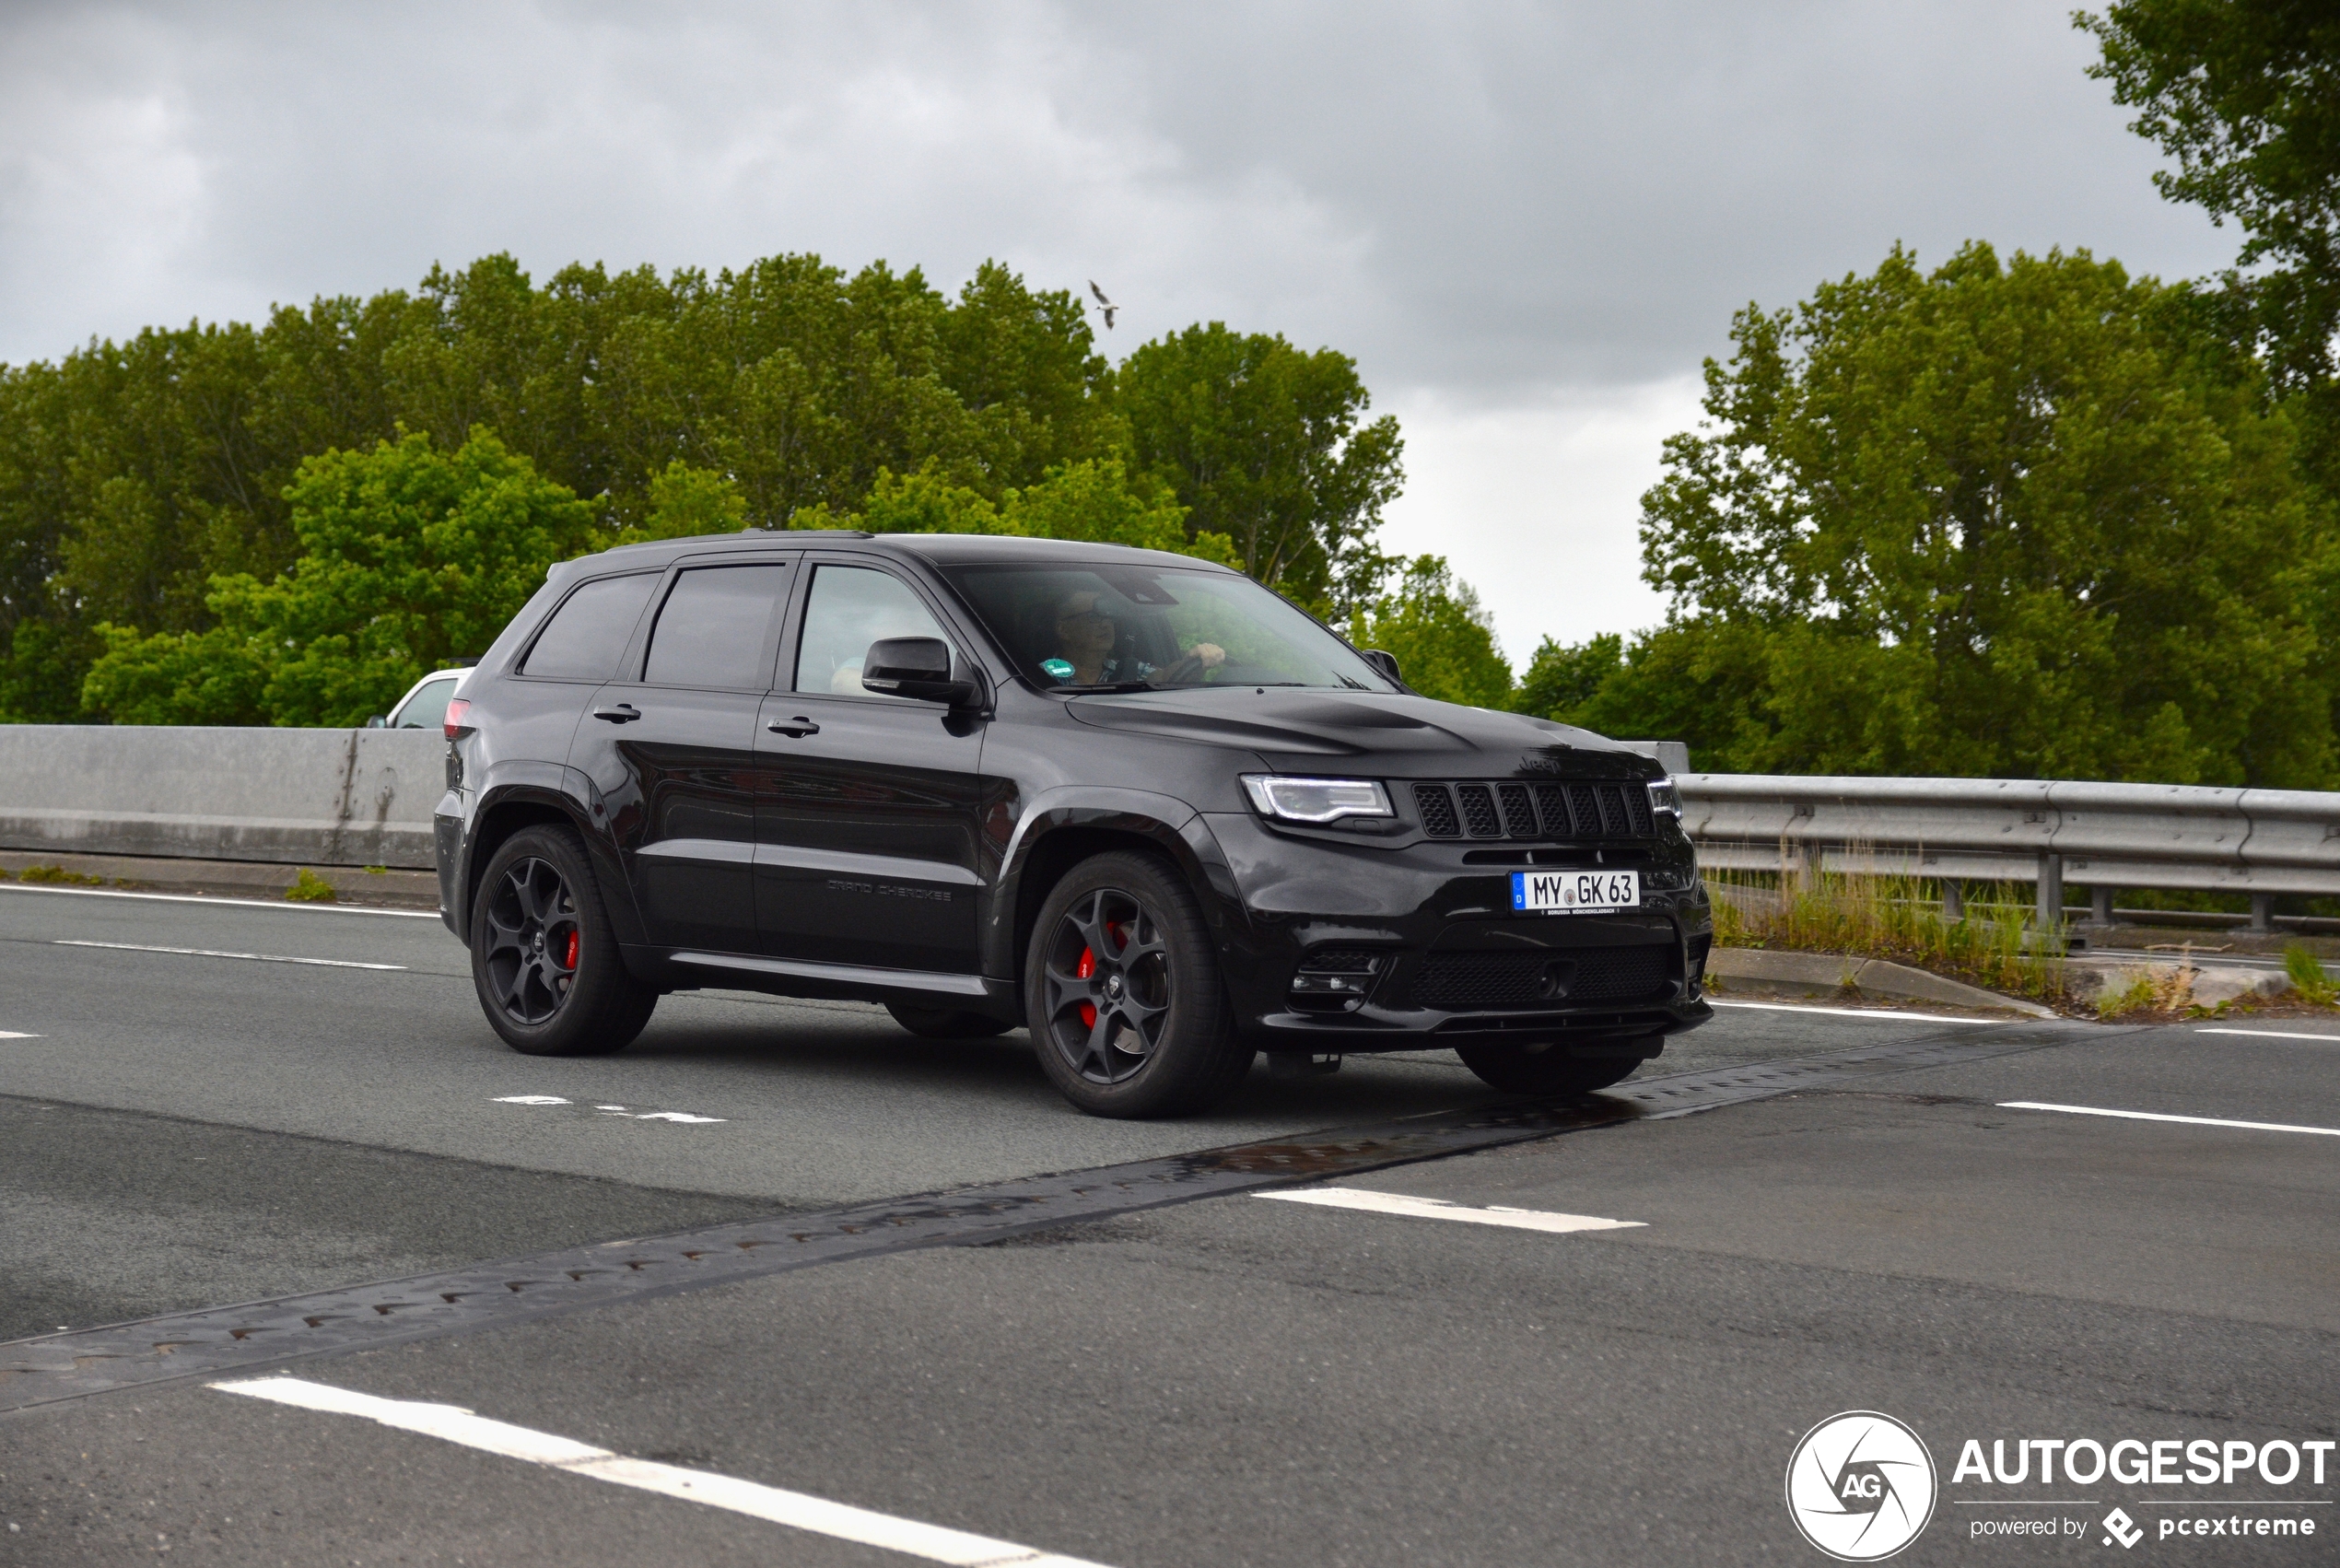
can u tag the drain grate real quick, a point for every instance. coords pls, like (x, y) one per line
(230, 1339)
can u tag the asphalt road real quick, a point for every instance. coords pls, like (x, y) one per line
(1236, 1380)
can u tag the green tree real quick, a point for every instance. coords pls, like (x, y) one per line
(1443, 641)
(1561, 679)
(411, 556)
(1269, 446)
(1096, 499)
(2245, 95)
(2017, 520)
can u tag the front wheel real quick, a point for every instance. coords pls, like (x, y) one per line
(1546, 1067)
(544, 958)
(1122, 987)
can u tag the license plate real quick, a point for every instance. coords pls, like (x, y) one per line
(1576, 892)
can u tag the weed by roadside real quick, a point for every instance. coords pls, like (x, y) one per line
(309, 888)
(59, 874)
(1891, 916)
(2308, 977)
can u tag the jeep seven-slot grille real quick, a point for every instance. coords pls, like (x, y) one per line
(1538, 811)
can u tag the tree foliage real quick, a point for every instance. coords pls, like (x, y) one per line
(2245, 95)
(2017, 519)
(142, 482)
(1443, 641)
(411, 558)
(1269, 446)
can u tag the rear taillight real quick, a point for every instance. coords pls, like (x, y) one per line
(457, 710)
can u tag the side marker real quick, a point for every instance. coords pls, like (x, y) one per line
(1439, 1208)
(2156, 1116)
(841, 1521)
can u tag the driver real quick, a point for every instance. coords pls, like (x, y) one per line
(1086, 636)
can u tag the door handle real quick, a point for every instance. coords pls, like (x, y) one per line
(624, 713)
(798, 727)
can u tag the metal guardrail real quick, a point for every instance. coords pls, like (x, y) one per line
(2046, 832)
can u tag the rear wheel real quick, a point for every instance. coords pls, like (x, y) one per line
(544, 958)
(1122, 985)
(946, 1023)
(1547, 1066)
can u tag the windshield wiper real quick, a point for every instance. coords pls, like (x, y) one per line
(1111, 687)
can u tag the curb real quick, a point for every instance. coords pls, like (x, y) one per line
(394, 888)
(1828, 972)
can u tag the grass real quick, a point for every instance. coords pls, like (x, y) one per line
(59, 874)
(309, 888)
(2308, 977)
(1894, 917)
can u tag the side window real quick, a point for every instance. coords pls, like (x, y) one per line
(712, 628)
(588, 634)
(426, 710)
(850, 608)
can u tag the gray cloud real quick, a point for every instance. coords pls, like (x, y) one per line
(1476, 198)
(1508, 212)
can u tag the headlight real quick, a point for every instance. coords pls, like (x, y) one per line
(1665, 798)
(1316, 799)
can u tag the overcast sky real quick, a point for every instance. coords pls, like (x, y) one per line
(1529, 223)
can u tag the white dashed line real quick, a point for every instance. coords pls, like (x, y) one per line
(12, 1034)
(232, 902)
(2156, 1116)
(618, 1111)
(212, 953)
(1439, 1208)
(1854, 1012)
(2274, 1035)
(797, 1510)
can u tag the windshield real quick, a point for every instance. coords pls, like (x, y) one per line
(1132, 628)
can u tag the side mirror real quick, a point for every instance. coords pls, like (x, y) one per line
(1385, 662)
(915, 667)
(378, 723)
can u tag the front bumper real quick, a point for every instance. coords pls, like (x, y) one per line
(1452, 957)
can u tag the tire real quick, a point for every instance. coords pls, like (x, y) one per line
(544, 961)
(1545, 1068)
(1122, 989)
(946, 1024)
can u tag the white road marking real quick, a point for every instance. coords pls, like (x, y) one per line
(840, 1521)
(213, 952)
(12, 1034)
(1854, 1012)
(1439, 1208)
(2155, 1116)
(618, 1111)
(233, 903)
(2274, 1035)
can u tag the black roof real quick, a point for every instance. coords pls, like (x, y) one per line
(941, 549)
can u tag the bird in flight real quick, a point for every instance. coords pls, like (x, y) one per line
(1109, 306)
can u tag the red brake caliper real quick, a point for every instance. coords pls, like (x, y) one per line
(1086, 967)
(568, 959)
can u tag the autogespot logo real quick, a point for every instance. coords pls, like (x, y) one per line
(1860, 1486)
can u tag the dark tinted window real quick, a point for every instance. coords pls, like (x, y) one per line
(588, 632)
(711, 630)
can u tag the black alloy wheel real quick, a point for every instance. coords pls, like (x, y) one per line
(544, 958)
(1122, 984)
(532, 941)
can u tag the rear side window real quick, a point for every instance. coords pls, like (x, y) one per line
(714, 627)
(426, 710)
(588, 634)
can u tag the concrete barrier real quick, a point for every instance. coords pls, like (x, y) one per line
(324, 797)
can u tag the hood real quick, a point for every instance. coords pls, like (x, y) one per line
(1405, 737)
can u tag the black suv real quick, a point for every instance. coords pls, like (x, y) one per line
(1132, 801)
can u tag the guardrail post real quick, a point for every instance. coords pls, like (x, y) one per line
(2050, 912)
(1953, 902)
(2101, 906)
(2261, 913)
